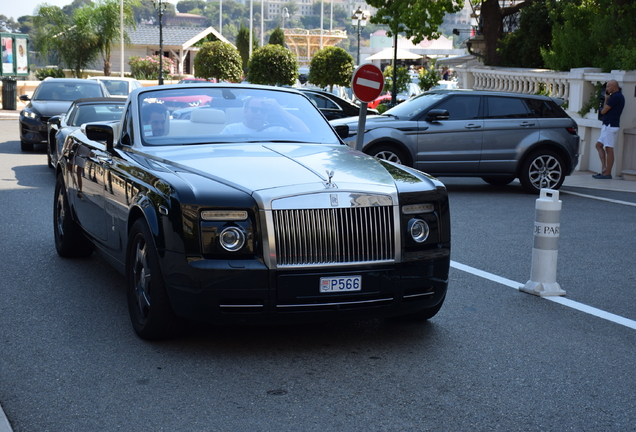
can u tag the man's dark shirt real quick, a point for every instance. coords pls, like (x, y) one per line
(613, 116)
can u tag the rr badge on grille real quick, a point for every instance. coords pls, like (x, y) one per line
(334, 200)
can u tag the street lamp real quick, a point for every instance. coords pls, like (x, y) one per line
(160, 6)
(285, 14)
(359, 18)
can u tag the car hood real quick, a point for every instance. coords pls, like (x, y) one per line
(50, 108)
(372, 122)
(264, 166)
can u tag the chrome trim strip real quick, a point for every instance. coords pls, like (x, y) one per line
(418, 295)
(241, 306)
(336, 304)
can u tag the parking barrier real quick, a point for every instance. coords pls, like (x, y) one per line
(546, 246)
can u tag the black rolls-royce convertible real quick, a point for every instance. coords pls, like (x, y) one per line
(251, 211)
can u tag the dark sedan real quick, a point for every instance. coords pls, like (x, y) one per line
(81, 111)
(249, 214)
(52, 97)
(332, 106)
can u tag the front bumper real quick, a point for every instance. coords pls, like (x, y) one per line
(33, 130)
(246, 292)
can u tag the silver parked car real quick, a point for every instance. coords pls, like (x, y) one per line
(492, 135)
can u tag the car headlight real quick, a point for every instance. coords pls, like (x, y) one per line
(29, 114)
(419, 230)
(232, 239)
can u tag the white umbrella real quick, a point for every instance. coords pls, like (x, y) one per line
(387, 54)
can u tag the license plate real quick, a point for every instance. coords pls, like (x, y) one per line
(340, 284)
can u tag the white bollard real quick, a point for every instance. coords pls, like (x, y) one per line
(546, 246)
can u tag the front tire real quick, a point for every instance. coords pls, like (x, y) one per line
(70, 241)
(148, 303)
(542, 169)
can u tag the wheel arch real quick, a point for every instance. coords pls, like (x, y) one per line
(546, 145)
(390, 142)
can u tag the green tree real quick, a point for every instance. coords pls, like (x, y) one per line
(243, 44)
(8, 24)
(273, 65)
(186, 6)
(277, 37)
(522, 48)
(609, 39)
(220, 60)
(72, 38)
(331, 66)
(428, 77)
(417, 19)
(403, 79)
(106, 15)
(492, 16)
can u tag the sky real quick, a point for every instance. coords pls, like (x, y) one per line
(16, 8)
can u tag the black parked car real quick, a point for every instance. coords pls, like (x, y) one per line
(52, 97)
(332, 106)
(256, 213)
(493, 135)
(81, 111)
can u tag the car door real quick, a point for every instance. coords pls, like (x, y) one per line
(451, 146)
(508, 126)
(88, 180)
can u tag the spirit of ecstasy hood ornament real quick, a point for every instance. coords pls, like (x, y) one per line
(329, 184)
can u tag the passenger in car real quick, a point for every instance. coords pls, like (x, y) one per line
(155, 118)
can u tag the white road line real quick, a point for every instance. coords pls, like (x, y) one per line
(627, 203)
(556, 299)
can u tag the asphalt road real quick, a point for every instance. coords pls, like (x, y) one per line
(493, 359)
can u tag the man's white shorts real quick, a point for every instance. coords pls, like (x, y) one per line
(608, 135)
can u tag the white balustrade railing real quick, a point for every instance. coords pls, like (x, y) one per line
(530, 81)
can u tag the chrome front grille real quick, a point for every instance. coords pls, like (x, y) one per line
(334, 236)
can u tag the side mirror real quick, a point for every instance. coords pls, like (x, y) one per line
(24, 98)
(54, 120)
(437, 115)
(342, 130)
(101, 132)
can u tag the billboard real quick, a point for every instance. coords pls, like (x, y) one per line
(15, 54)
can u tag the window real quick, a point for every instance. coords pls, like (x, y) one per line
(461, 107)
(545, 109)
(506, 108)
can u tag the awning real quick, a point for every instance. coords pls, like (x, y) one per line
(387, 54)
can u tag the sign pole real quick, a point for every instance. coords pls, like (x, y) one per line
(362, 121)
(367, 83)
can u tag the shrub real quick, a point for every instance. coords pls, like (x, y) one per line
(43, 73)
(220, 60)
(147, 68)
(272, 65)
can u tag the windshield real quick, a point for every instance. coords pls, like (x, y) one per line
(96, 113)
(220, 114)
(416, 105)
(57, 91)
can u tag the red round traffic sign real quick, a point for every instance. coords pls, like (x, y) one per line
(367, 82)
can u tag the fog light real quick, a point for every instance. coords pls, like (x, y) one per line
(232, 239)
(419, 230)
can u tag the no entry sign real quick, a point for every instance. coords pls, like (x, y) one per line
(367, 82)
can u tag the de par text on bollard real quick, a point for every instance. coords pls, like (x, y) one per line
(546, 246)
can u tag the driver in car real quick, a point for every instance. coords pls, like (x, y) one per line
(256, 111)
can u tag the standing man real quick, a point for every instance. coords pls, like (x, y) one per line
(612, 110)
